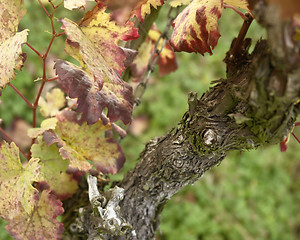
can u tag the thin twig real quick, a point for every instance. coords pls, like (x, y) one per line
(295, 137)
(52, 79)
(33, 49)
(42, 5)
(21, 95)
(8, 138)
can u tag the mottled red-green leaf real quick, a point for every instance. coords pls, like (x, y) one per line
(41, 223)
(17, 195)
(47, 124)
(11, 58)
(196, 27)
(97, 84)
(80, 142)
(94, 97)
(55, 100)
(140, 63)
(53, 170)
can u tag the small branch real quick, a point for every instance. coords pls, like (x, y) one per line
(49, 46)
(52, 79)
(59, 34)
(42, 5)
(239, 40)
(10, 140)
(33, 49)
(237, 11)
(295, 137)
(21, 95)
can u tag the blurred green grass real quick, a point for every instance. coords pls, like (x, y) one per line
(251, 195)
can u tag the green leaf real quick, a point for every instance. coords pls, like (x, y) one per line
(16, 191)
(41, 223)
(80, 142)
(47, 124)
(53, 170)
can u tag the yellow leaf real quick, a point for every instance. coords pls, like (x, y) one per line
(54, 101)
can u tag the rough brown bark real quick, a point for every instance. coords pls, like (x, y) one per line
(256, 105)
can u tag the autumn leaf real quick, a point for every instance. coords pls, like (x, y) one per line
(145, 8)
(11, 58)
(140, 63)
(80, 142)
(166, 60)
(47, 124)
(55, 100)
(72, 4)
(196, 27)
(97, 84)
(41, 223)
(138, 8)
(178, 3)
(53, 170)
(238, 3)
(17, 195)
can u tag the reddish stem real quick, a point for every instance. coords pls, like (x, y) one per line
(236, 10)
(297, 124)
(295, 137)
(42, 5)
(52, 79)
(60, 34)
(33, 49)
(10, 140)
(21, 95)
(239, 40)
(44, 58)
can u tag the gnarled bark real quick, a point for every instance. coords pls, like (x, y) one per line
(256, 105)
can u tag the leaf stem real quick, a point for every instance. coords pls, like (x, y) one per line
(44, 59)
(236, 10)
(295, 137)
(52, 79)
(21, 95)
(8, 138)
(239, 40)
(33, 49)
(42, 5)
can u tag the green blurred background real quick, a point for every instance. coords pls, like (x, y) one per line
(251, 195)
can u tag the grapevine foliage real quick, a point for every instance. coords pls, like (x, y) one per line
(75, 139)
(11, 57)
